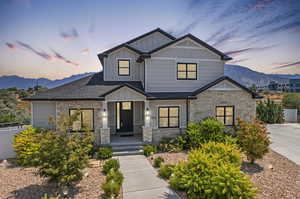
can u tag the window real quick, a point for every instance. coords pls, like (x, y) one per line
(225, 115)
(123, 67)
(168, 117)
(187, 71)
(85, 119)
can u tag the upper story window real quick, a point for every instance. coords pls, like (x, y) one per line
(168, 117)
(123, 67)
(84, 120)
(225, 115)
(186, 71)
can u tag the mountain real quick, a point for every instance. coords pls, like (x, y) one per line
(240, 74)
(248, 77)
(25, 83)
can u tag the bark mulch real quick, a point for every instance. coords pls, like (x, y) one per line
(24, 183)
(276, 176)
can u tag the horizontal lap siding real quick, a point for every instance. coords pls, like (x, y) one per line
(162, 75)
(151, 42)
(41, 112)
(111, 66)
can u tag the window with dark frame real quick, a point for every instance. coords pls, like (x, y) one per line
(186, 71)
(123, 67)
(225, 115)
(168, 117)
(85, 119)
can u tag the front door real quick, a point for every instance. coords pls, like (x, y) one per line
(124, 117)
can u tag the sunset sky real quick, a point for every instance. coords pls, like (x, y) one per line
(59, 38)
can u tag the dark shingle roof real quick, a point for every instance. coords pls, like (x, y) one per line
(92, 87)
(170, 95)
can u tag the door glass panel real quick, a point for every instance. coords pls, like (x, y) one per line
(163, 122)
(174, 122)
(118, 115)
(174, 112)
(163, 112)
(126, 105)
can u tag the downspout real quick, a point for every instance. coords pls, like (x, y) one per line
(187, 112)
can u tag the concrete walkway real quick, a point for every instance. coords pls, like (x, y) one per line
(286, 140)
(141, 180)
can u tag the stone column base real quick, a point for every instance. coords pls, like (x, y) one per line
(105, 135)
(147, 134)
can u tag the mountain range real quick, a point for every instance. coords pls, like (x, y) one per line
(240, 74)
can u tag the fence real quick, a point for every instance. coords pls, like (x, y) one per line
(290, 115)
(6, 136)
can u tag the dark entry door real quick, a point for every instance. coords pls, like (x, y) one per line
(126, 116)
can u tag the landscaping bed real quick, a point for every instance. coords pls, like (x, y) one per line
(19, 182)
(276, 176)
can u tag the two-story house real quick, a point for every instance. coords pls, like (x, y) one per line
(150, 87)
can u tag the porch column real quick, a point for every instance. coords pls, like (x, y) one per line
(147, 130)
(105, 131)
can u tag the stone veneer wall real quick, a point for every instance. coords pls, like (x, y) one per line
(158, 134)
(205, 105)
(62, 108)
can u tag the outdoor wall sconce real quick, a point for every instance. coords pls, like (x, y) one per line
(104, 113)
(147, 113)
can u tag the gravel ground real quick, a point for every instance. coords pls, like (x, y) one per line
(276, 176)
(24, 183)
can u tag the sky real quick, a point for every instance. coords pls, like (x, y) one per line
(58, 38)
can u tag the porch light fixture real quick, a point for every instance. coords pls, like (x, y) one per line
(147, 113)
(104, 113)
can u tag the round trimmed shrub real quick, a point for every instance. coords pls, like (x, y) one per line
(104, 153)
(166, 170)
(110, 164)
(158, 161)
(149, 150)
(115, 175)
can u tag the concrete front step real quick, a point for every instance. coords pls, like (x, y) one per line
(129, 152)
(127, 148)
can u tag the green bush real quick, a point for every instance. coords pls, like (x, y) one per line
(253, 139)
(149, 150)
(166, 170)
(26, 145)
(111, 188)
(115, 175)
(269, 112)
(104, 153)
(158, 161)
(208, 175)
(110, 164)
(62, 156)
(171, 144)
(219, 153)
(45, 196)
(199, 133)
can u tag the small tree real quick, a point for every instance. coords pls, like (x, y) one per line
(253, 139)
(269, 112)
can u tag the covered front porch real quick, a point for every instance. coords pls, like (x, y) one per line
(125, 118)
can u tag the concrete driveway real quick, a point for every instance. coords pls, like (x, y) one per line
(286, 140)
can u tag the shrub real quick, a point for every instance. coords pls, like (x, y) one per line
(158, 161)
(110, 164)
(26, 146)
(218, 152)
(111, 188)
(149, 150)
(166, 170)
(253, 139)
(269, 112)
(199, 133)
(115, 175)
(171, 144)
(62, 156)
(104, 153)
(45, 196)
(208, 175)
